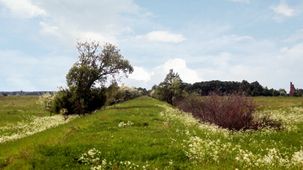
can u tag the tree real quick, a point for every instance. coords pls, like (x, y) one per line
(282, 92)
(170, 88)
(256, 89)
(298, 92)
(96, 66)
(87, 77)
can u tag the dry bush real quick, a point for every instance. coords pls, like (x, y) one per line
(266, 122)
(234, 112)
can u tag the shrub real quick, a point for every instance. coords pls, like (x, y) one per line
(170, 89)
(63, 101)
(116, 94)
(234, 112)
(68, 101)
(266, 122)
(46, 101)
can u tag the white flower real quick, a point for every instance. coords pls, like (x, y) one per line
(297, 157)
(124, 124)
(35, 125)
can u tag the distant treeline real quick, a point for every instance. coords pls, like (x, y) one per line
(203, 88)
(230, 87)
(24, 93)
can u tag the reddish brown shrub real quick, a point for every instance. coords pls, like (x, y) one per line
(234, 112)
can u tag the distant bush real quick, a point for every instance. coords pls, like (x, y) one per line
(266, 122)
(68, 102)
(46, 101)
(170, 89)
(116, 94)
(234, 112)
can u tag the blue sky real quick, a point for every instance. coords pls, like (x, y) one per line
(232, 40)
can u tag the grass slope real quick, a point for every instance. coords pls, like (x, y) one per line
(59, 148)
(146, 133)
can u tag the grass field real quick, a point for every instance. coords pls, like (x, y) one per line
(145, 133)
(19, 108)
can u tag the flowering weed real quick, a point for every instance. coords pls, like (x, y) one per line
(34, 125)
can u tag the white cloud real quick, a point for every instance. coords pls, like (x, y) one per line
(283, 9)
(140, 74)
(163, 36)
(90, 20)
(148, 77)
(209, 52)
(179, 65)
(23, 8)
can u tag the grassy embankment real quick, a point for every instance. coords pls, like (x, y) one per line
(146, 133)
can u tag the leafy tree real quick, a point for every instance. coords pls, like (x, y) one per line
(256, 89)
(245, 87)
(282, 92)
(87, 77)
(96, 66)
(298, 92)
(170, 88)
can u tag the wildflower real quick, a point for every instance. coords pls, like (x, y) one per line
(35, 125)
(46, 101)
(124, 124)
(297, 158)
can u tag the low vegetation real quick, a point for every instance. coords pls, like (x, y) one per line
(18, 108)
(145, 133)
(233, 112)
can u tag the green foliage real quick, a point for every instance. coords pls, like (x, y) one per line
(170, 89)
(111, 93)
(95, 66)
(68, 102)
(205, 88)
(282, 92)
(116, 94)
(298, 92)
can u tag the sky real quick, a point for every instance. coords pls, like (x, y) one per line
(228, 40)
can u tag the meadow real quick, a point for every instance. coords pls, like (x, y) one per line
(145, 133)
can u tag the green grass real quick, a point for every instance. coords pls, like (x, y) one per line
(270, 103)
(19, 108)
(155, 139)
